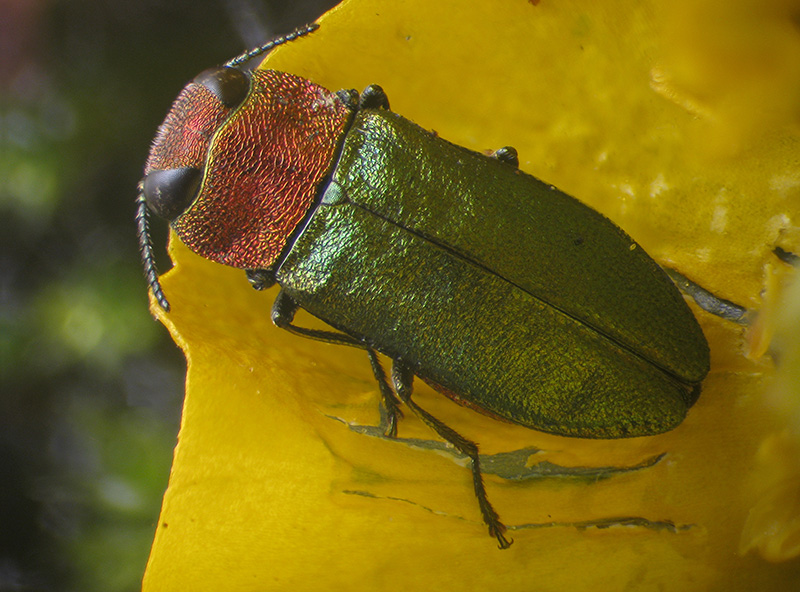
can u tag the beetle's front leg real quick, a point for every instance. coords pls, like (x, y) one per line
(403, 379)
(283, 311)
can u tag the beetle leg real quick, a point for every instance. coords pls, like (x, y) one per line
(260, 279)
(709, 302)
(403, 379)
(283, 311)
(508, 155)
(349, 98)
(717, 305)
(390, 399)
(787, 256)
(373, 97)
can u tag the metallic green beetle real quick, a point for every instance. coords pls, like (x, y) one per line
(499, 290)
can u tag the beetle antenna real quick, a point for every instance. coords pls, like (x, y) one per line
(257, 51)
(146, 249)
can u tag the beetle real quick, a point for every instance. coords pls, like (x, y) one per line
(500, 291)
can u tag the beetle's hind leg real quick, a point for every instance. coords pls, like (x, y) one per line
(787, 257)
(707, 301)
(391, 402)
(403, 379)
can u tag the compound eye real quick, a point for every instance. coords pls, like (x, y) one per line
(229, 85)
(170, 192)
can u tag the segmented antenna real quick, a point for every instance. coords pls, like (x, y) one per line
(257, 51)
(146, 249)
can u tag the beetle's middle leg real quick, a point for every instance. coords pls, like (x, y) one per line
(403, 378)
(283, 311)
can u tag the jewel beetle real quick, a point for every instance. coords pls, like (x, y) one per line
(499, 290)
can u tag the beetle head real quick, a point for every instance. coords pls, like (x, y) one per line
(238, 163)
(174, 170)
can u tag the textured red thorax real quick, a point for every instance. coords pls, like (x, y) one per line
(263, 166)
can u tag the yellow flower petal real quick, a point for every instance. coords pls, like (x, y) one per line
(773, 523)
(273, 488)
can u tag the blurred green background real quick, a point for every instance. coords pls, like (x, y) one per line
(91, 385)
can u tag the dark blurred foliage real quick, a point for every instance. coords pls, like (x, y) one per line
(91, 385)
